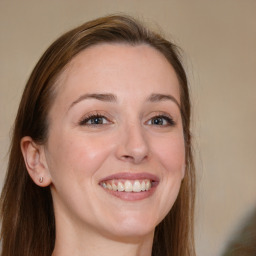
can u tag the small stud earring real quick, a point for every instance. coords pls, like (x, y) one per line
(41, 179)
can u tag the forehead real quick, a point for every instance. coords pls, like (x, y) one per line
(106, 66)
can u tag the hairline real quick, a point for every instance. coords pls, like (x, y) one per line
(61, 75)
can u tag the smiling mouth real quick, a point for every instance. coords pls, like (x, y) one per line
(128, 185)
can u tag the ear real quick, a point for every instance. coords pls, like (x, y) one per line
(34, 157)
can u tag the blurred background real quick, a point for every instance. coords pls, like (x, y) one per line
(218, 39)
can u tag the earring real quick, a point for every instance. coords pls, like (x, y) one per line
(41, 179)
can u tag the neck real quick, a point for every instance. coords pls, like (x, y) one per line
(86, 241)
(104, 246)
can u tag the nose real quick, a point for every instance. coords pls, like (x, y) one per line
(133, 145)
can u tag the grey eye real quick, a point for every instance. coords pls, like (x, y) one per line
(94, 120)
(161, 121)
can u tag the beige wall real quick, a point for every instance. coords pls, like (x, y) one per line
(219, 40)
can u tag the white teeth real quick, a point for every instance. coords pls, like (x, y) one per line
(136, 186)
(114, 186)
(128, 186)
(148, 185)
(143, 186)
(120, 186)
(109, 186)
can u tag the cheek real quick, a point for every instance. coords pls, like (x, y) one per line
(77, 157)
(171, 153)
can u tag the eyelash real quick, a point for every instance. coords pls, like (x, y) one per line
(168, 119)
(91, 117)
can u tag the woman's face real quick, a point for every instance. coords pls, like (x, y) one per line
(115, 151)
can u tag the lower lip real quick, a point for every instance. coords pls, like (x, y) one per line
(132, 196)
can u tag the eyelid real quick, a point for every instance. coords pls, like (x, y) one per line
(163, 115)
(95, 114)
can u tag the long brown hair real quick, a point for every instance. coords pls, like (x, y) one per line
(28, 226)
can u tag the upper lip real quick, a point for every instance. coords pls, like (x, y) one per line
(131, 176)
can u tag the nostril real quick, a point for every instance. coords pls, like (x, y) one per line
(135, 159)
(127, 157)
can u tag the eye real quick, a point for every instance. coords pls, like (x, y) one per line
(161, 120)
(94, 120)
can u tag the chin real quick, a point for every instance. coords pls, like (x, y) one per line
(133, 227)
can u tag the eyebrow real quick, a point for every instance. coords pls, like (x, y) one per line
(109, 97)
(156, 97)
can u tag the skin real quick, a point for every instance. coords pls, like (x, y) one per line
(89, 219)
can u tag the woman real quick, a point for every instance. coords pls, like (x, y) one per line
(100, 160)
